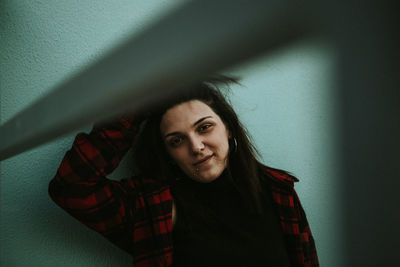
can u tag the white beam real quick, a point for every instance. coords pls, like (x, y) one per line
(199, 38)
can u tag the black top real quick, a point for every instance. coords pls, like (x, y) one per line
(220, 231)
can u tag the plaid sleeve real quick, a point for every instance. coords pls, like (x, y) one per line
(306, 251)
(80, 185)
(293, 220)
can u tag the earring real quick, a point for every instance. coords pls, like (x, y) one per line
(235, 145)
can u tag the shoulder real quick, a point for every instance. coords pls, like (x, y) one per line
(145, 185)
(277, 176)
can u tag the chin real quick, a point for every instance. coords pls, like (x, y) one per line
(207, 177)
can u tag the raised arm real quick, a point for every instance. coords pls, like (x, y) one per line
(81, 188)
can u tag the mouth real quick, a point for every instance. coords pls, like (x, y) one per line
(203, 161)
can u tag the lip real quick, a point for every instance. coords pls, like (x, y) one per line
(203, 161)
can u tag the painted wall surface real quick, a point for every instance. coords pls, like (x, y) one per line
(287, 102)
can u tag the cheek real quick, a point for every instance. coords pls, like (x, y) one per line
(223, 144)
(178, 155)
(225, 149)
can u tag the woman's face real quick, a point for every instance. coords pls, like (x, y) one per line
(196, 139)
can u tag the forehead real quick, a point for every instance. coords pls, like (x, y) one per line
(184, 115)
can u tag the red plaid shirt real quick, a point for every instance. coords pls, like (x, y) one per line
(136, 214)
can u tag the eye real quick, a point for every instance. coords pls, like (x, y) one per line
(176, 141)
(205, 127)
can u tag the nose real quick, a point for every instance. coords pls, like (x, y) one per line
(196, 144)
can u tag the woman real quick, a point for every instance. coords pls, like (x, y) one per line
(200, 196)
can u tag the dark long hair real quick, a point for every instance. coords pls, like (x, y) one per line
(152, 159)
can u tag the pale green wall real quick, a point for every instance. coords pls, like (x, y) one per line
(287, 102)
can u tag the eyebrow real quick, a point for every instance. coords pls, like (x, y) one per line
(194, 124)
